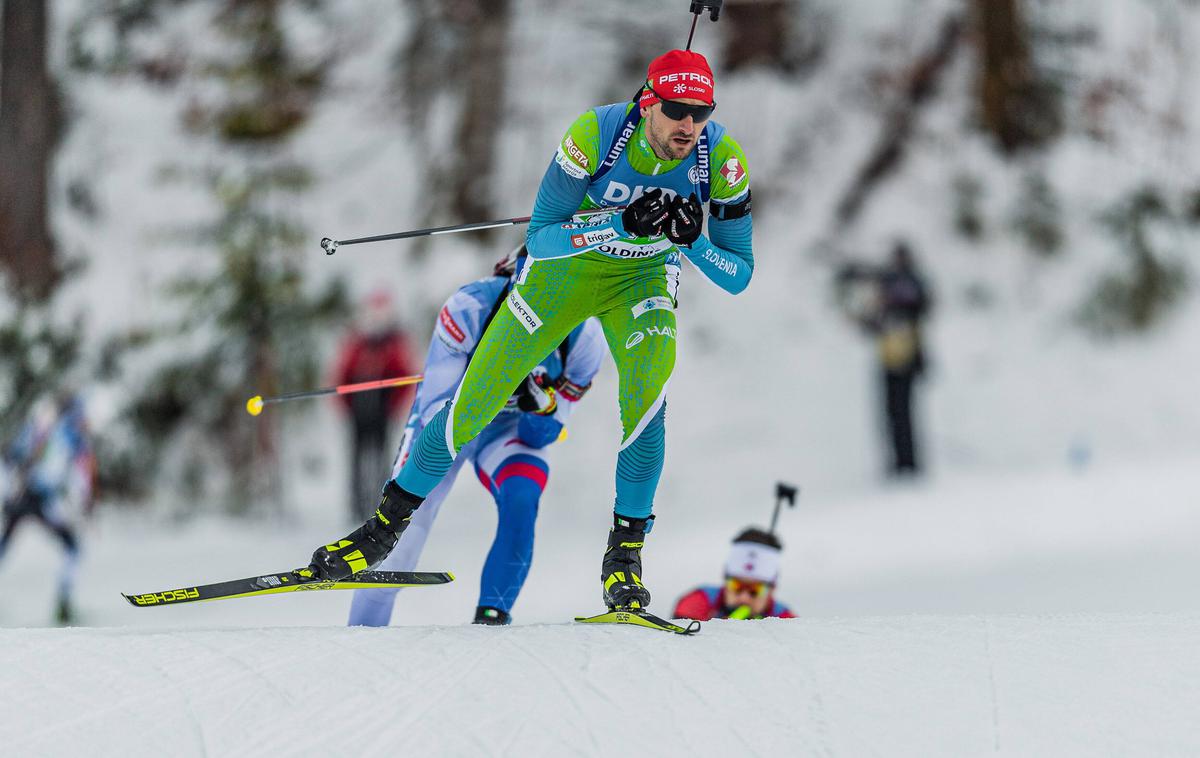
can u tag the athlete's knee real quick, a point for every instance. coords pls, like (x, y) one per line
(518, 498)
(650, 431)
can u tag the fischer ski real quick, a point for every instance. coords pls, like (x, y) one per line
(640, 618)
(299, 580)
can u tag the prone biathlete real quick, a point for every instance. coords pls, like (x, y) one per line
(509, 456)
(663, 158)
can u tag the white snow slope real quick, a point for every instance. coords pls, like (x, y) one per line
(1049, 615)
(921, 685)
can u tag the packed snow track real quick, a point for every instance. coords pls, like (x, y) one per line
(906, 685)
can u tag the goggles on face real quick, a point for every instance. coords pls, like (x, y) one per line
(677, 111)
(750, 587)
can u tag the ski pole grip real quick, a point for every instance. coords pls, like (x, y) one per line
(786, 492)
(329, 246)
(712, 6)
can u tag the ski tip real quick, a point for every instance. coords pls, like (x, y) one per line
(450, 575)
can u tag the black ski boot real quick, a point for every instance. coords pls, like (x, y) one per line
(489, 616)
(370, 543)
(621, 571)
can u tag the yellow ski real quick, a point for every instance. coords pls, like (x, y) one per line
(299, 580)
(640, 618)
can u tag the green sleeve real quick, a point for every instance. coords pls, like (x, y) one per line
(731, 174)
(579, 151)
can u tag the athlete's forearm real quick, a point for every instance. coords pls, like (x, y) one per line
(552, 233)
(727, 259)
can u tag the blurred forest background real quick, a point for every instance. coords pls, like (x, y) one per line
(167, 167)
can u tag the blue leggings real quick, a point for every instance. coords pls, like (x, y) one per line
(517, 498)
(508, 561)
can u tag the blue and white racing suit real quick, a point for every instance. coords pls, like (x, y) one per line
(509, 456)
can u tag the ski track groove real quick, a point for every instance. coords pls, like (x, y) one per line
(991, 664)
(570, 697)
(384, 742)
(66, 694)
(381, 743)
(679, 679)
(818, 713)
(131, 704)
(451, 685)
(256, 674)
(190, 712)
(513, 737)
(588, 665)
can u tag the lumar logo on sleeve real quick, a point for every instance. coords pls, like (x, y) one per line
(523, 312)
(170, 596)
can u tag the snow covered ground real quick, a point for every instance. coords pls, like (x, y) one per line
(914, 685)
(1050, 614)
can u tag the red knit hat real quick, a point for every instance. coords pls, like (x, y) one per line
(676, 75)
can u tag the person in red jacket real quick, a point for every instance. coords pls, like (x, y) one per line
(378, 349)
(751, 573)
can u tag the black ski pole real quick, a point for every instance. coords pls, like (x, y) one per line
(699, 6)
(330, 246)
(783, 492)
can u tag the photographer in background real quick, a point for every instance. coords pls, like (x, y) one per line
(891, 304)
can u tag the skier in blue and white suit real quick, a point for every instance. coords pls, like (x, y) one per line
(509, 456)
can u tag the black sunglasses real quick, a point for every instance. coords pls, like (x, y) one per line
(677, 111)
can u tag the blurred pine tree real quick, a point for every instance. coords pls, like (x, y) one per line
(248, 323)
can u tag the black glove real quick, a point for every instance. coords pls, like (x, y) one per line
(645, 216)
(535, 395)
(684, 219)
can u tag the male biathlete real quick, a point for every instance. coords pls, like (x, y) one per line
(661, 155)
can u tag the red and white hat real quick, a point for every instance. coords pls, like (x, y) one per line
(753, 560)
(677, 75)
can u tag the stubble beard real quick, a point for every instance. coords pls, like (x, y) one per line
(667, 150)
